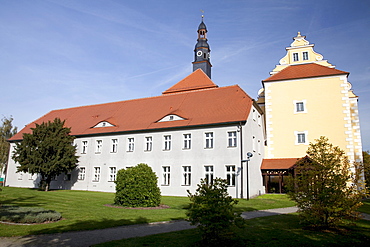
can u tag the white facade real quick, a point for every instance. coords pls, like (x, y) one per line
(180, 157)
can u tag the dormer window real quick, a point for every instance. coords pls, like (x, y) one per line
(295, 57)
(305, 55)
(103, 124)
(171, 117)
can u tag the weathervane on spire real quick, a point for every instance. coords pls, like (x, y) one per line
(202, 13)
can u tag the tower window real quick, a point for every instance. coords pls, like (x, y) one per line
(301, 137)
(305, 55)
(295, 57)
(300, 106)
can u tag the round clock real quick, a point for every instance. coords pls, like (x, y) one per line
(199, 53)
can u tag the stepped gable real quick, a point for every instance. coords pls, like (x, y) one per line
(195, 81)
(200, 102)
(304, 71)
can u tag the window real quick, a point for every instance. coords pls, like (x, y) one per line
(231, 139)
(186, 175)
(96, 176)
(187, 141)
(230, 175)
(301, 137)
(112, 174)
(131, 143)
(305, 55)
(295, 57)
(67, 177)
(167, 142)
(209, 140)
(99, 144)
(84, 147)
(148, 143)
(114, 145)
(166, 175)
(208, 174)
(300, 106)
(81, 173)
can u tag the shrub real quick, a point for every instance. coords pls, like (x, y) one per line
(137, 187)
(211, 209)
(27, 214)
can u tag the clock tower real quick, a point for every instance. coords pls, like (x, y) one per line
(202, 51)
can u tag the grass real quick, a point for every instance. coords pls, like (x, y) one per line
(282, 230)
(365, 208)
(27, 214)
(85, 210)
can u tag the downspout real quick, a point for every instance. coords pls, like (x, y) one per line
(241, 161)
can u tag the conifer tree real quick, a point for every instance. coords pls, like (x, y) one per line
(48, 151)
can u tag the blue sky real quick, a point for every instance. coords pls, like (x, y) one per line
(64, 53)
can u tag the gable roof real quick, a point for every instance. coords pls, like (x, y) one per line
(196, 80)
(304, 71)
(278, 163)
(200, 107)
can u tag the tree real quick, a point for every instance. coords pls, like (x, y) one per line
(366, 163)
(324, 187)
(211, 209)
(48, 151)
(137, 187)
(6, 131)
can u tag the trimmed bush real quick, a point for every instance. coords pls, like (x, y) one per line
(137, 187)
(27, 214)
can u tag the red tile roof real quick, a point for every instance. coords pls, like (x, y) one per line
(278, 163)
(196, 80)
(198, 107)
(304, 71)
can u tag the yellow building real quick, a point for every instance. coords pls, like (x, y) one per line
(305, 98)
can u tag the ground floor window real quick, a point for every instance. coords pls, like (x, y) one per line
(208, 172)
(96, 177)
(166, 175)
(112, 174)
(187, 175)
(230, 175)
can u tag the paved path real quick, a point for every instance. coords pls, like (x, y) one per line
(88, 238)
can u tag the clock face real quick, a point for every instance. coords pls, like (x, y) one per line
(199, 53)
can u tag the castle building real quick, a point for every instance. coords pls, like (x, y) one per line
(194, 130)
(304, 98)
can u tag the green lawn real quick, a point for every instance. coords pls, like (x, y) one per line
(282, 230)
(84, 210)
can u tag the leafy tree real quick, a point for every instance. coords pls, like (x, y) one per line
(211, 209)
(137, 187)
(48, 151)
(366, 163)
(6, 131)
(324, 187)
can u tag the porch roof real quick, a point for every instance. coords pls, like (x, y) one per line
(278, 163)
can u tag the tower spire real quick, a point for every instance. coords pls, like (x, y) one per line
(202, 50)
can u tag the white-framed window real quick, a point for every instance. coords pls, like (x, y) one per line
(208, 174)
(167, 142)
(81, 173)
(130, 144)
(208, 139)
(99, 145)
(295, 57)
(231, 139)
(84, 147)
(301, 137)
(305, 55)
(148, 143)
(166, 173)
(300, 106)
(112, 174)
(187, 141)
(186, 175)
(230, 175)
(114, 145)
(96, 175)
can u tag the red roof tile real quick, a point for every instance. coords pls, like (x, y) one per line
(196, 80)
(304, 71)
(278, 164)
(198, 107)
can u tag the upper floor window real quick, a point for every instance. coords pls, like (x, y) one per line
(114, 145)
(209, 140)
(84, 147)
(148, 143)
(187, 141)
(230, 175)
(99, 145)
(167, 142)
(305, 55)
(231, 139)
(295, 57)
(301, 137)
(166, 175)
(130, 144)
(300, 106)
